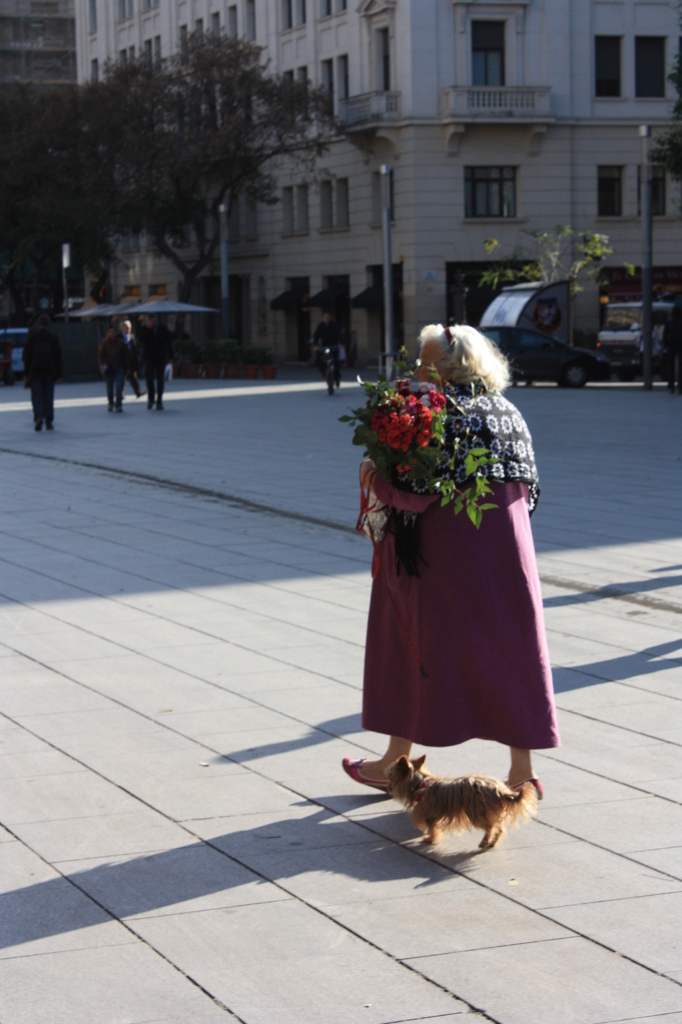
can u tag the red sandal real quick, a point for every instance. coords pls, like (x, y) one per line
(536, 782)
(352, 766)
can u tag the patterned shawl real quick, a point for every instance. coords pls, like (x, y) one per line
(482, 419)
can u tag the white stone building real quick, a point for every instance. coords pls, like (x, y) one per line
(498, 117)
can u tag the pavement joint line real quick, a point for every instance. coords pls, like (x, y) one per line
(127, 927)
(201, 492)
(609, 591)
(424, 855)
(277, 884)
(625, 728)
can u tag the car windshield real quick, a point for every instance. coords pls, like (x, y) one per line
(621, 318)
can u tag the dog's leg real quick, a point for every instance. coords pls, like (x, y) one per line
(432, 834)
(491, 838)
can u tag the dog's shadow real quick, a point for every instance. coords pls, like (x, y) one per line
(313, 853)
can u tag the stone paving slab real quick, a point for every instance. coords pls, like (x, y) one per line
(180, 675)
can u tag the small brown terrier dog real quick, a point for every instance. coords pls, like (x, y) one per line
(469, 801)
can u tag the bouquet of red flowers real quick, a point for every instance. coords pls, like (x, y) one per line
(401, 429)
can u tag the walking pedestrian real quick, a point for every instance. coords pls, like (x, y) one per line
(459, 651)
(133, 360)
(113, 363)
(672, 339)
(42, 367)
(158, 351)
(328, 334)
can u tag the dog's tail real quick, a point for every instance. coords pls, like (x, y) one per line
(521, 804)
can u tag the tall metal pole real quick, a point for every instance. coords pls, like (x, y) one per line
(224, 272)
(647, 241)
(388, 268)
(66, 263)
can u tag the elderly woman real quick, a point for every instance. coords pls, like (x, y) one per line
(456, 645)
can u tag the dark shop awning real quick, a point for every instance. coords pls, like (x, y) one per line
(371, 298)
(328, 296)
(289, 301)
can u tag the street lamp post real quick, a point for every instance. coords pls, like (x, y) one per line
(224, 272)
(647, 242)
(388, 269)
(66, 263)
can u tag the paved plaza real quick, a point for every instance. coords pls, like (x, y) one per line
(182, 623)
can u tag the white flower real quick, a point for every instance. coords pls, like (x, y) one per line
(506, 425)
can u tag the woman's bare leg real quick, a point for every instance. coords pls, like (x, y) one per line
(521, 767)
(377, 769)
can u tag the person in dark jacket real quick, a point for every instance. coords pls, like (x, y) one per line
(113, 364)
(672, 339)
(133, 361)
(328, 334)
(42, 366)
(158, 351)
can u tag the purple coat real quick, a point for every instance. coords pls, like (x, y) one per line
(460, 651)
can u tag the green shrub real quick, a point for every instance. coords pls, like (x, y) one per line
(251, 356)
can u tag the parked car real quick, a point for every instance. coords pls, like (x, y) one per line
(16, 337)
(536, 356)
(620, 337)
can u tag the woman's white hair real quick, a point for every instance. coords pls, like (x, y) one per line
(466, 356)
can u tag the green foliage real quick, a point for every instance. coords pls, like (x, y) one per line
(187, 351)
(426, 464)
(251, 356)
(551, 259)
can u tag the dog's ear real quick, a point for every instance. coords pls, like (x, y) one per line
(403, 768)
(418, 762)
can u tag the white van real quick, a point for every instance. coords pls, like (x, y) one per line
(620, 338)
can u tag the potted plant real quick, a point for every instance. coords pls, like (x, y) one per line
(213, 355)
(232, 357)
(251, 358)
(267, 361)
(194, 359)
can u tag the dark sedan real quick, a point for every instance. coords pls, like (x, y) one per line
(534, 356)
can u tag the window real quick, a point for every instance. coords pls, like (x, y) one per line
(384, 60)
(287, 14)
(301, 12)
(199, 26)
(122, 10)
(302, 74)
(342, 5)
(650, 66)
(251, 20)
(94, 70)
(92, 12)
(328, 79)
(215, 23)
(251, 221)
(489, 191)
(342, 211)
(607, 65)
(325, 8)
(146, 5)
(157, 49)
(657, 190)
(609, 191)
(287, 211)
(131, 53)
(487, 43)
(131, 8)
(148, 50)
(301, 223)
(183, 36)
(342, 76)
(123, 57)
(326, 206)
(232, 22)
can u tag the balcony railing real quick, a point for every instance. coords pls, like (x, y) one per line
(507, 101)
(370, 106)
